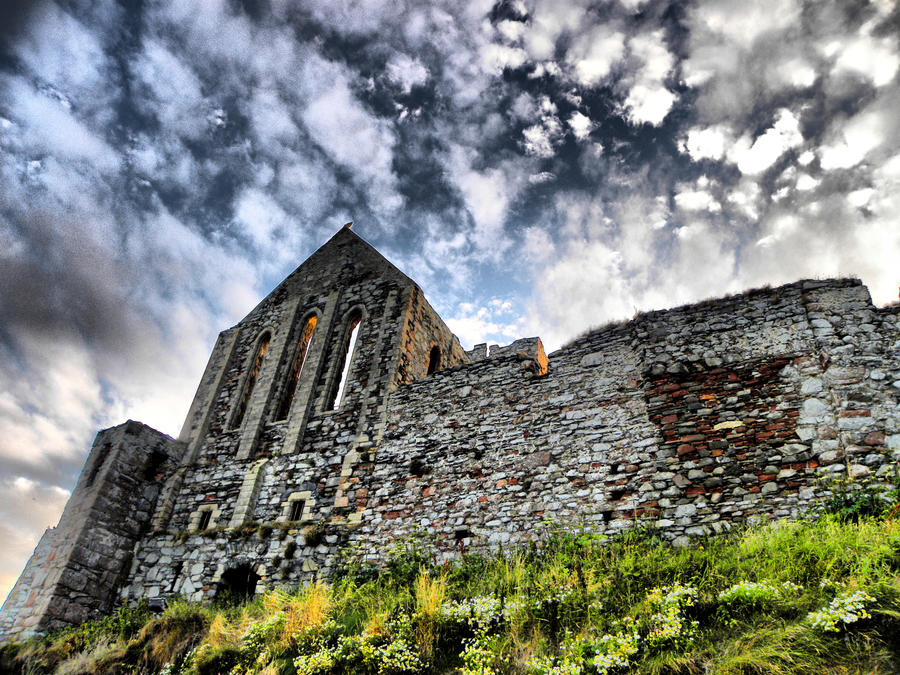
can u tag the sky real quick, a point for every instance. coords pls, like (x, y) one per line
(538, 167)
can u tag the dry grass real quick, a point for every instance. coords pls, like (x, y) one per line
(430, 595)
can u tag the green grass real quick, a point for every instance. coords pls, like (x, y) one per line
(577, 604)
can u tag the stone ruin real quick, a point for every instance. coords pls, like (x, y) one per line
(341, 411)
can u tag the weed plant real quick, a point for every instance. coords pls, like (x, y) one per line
(818, 596)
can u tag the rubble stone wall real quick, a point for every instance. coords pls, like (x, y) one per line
(689, 420)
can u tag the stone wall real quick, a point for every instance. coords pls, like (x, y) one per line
(689, 419)
(78, 565)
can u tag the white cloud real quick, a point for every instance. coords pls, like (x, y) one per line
(860, 198)
(854, 139)
(583, 286)
(262, 218)
(353, 137)
(806, 157)
(271, 117)
(873, 58)
(697, 200)
(175, 89)
(746, 197)
(581, 125)
(541, 177)
(755, 158)
(741, 23)
(649, 104)
(47, 127)
(494, 322)
(648, 100)
(487, 193)
(594, 52)
(549, 20)
(62, 51)
(805, 182)
(406, 71)
(511, 30)
(541, 138)
(706, 143)
(796, 72)
(497, 57)
(779, 229)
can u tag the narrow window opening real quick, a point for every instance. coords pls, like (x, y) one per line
(434, 360)
(297, 507)
(418, 466)
(177, 568)
(461, 533)
(261, 350)
(349, 345)
(205, 518)
(290, 387)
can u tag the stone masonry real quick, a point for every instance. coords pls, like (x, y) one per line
(343, 412)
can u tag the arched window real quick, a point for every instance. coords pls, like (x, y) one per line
(261, 348)
(434, 360)
(293, 377)
(337, 393)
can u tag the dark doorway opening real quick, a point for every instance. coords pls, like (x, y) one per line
(238, 585)
(434, 360)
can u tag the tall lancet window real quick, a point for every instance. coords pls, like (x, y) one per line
(293, 376)
(346, 360)
(261, 348)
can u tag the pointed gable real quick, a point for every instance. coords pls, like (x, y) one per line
(343, 260)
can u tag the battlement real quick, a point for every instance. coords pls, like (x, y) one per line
(342, 410)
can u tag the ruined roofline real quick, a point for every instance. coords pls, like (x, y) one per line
(702, 306)
(800, 284)
(480, 353)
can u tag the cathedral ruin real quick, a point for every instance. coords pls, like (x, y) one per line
(342, 411)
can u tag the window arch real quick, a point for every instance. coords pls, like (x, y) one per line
(346, 359)
(296, 367)
(262, 347)
(434, 360)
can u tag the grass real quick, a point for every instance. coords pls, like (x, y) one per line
(740, 603)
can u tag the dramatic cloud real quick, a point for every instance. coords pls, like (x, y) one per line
(539, 167)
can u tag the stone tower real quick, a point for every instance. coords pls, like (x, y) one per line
(79, 565)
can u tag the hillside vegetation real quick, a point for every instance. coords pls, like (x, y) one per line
(820, 596)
